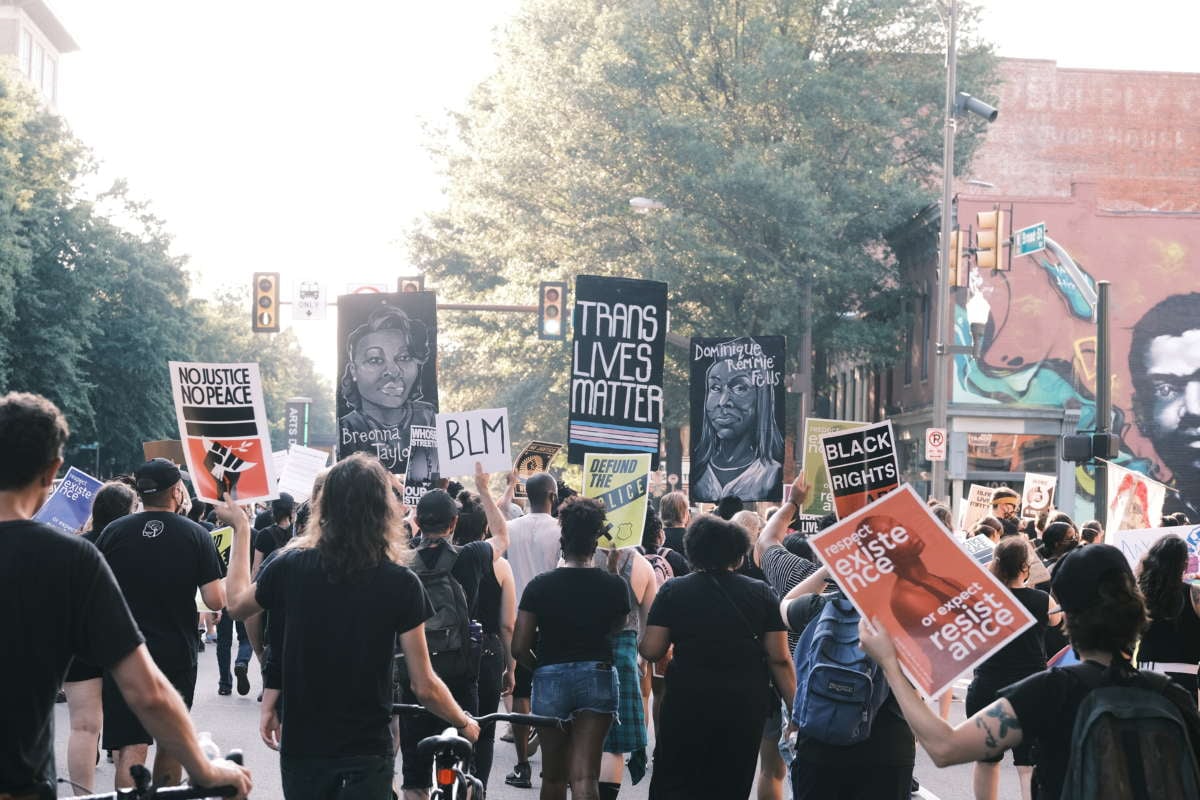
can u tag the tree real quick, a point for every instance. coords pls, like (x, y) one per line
(784, 140)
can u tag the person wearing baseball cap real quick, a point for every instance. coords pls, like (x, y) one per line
(159, 558)
(1106, 614)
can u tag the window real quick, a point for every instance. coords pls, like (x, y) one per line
(49, 84)
(25, 52)
(1011, 452)
(908, 348)
(38, 60)
(926, 317)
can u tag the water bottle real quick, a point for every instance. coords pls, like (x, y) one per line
(787, 747)
(208, 747)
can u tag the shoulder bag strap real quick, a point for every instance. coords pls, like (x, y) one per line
(738, 611)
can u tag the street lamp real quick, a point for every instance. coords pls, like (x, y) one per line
(978, 311)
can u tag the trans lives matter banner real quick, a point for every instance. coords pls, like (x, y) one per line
(621, 483)
(737, 418)
(861, 465)
(617, 367)
(387, 360)
(898, 566)
(223, 427)
(70, 506)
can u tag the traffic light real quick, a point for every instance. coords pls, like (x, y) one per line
(991, 240)
(552, 304)
(1086, 446)
(266, 303)
(415, 283)
(957, 268)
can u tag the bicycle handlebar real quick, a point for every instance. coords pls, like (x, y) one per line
(167, 793)
(533, 720)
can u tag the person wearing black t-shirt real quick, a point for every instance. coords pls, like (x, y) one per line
(159, 558)
(58, 599)
(727, 633)
(1105, 614)
(570, 615)
(673, 508)
(1018, 659)
(346, 598)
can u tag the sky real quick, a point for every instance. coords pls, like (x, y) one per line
(288, 136)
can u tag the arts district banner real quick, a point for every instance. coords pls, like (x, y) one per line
(224, 431)
(387, 360)
(861, 465)
(737, 420)
(617, 367)
(621, 483)
(900, 567)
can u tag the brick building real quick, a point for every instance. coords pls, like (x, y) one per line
(1110, 161)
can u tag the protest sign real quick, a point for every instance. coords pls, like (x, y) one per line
(981, 549)
(621, 483)
(620, 335)
(861, 465)
(223, 427)
(536, 457)
(467, 437)
(222, 540)
(977, 506)
(812, 460)
(1134, 501)
(303, 466)
(901, 568)
(1134, 544)
(387, 360)
(1038, 574)
(737, 415)
(1037, 495)
(170, 449)
(70, 506)
(279, 461)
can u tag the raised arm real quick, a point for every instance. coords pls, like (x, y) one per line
(988, 733)
(510, 489)
(776, 527)
(238, 589)
(497, 522)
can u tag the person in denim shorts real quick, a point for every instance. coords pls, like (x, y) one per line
(571, 612)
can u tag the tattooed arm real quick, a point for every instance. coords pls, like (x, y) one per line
(989, 732)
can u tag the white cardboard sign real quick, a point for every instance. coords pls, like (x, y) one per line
(469, 436)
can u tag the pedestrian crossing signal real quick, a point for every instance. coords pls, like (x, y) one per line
(265, 315)
(414, 284)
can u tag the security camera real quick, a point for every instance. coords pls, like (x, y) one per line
(974, 105)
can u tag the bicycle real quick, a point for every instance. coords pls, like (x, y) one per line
(449, 752)
(143, 789)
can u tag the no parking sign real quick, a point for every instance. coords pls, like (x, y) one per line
(935, 444)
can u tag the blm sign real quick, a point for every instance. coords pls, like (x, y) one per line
(617, 367)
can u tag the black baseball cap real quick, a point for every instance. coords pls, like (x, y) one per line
(436, 509)
(1078, 572)
(156, 475)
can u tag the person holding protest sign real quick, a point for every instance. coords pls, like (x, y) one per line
(727, 632)
(79, 613)
(159, 557)
(1171, 645)
(1105, 614)
(349, 565)
(1018, 659)
(83, 682)
(571, 613)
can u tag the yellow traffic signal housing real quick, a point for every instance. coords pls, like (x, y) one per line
(990, 240)
(552, 305)
(265, 314)
(957, 267)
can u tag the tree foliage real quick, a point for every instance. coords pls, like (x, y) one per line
(784, 139)
(93, 305)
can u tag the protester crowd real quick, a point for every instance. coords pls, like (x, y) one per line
(700, 642)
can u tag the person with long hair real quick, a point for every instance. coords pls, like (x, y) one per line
(675, 513)
(1171, 645)
(1017, 660)
(572, 612)
(348, 567)
(84, 682)
(727, 633)
(1105, 614)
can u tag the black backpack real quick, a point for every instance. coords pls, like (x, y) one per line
(1130, 741)
(448, 631)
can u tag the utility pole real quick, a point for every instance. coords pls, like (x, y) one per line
(942, 284)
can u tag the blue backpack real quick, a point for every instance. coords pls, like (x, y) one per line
(839, 689)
